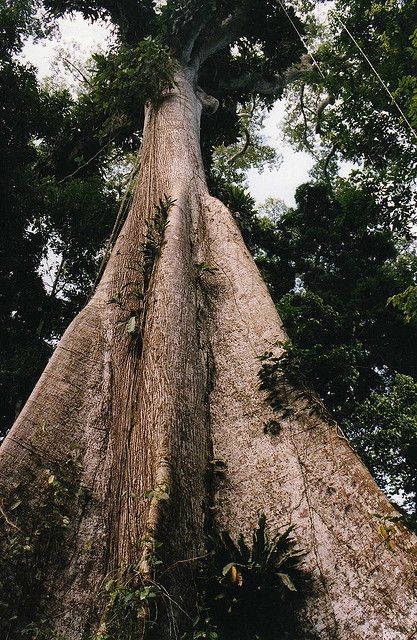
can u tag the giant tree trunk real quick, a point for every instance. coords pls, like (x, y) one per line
(157, 376)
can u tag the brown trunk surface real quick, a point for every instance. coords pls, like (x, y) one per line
(131, 412)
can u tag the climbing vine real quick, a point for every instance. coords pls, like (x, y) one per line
(133, 297)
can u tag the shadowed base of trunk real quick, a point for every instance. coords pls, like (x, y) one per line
(106, 473)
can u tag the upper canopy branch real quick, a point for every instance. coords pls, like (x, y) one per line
(226, 34)
(194, 30)
(256, 83)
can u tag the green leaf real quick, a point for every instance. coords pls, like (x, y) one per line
(131, 325)
(285, 578)
(205, 267)
(227, 568)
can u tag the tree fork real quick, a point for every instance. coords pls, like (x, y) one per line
(144, 410)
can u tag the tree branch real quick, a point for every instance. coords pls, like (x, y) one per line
(210, 104)
(256, 83)
(302, 106)
(85, 164)
(246, 133)
(194, 30)
(70, 64)
(8, 521)
(228, 32)
(327, 162)
(328, 100)
(243, 150)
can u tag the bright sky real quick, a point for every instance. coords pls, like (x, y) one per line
(280, 183)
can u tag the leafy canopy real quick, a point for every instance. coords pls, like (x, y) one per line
(361, 122)
(40, 214)
(384, 427)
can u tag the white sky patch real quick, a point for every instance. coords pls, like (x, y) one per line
(90, 36)
(293, 171)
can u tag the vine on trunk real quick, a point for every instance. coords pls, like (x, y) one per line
(151, 248)
(131, 600)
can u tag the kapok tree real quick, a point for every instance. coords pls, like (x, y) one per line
(155, 419)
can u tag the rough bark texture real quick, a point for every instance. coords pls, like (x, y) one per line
(143, 411)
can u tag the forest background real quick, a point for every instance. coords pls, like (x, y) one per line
(340, 263)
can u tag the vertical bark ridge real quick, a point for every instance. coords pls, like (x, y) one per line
(132, 404)
(169, 385)
(159, 422)
(307, 475)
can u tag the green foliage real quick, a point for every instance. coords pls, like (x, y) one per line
(406, 301)
(204, 267)
(384, 429)
(71, 220)
(252, 591)
(125, 79)
(342, 264)
(131, 599)
(22, 294)
(154, 238)
(251, 151)
(137, 290)
(160, 492)
(177, 20)
(33, 532)
(319, 352)
(134, 19)
(364, 125)
(78, 217)
(18, 20)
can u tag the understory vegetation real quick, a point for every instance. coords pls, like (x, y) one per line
(35, 528)
(255, 591)
(244, 591)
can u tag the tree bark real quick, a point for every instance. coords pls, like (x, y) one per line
(140, 408)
